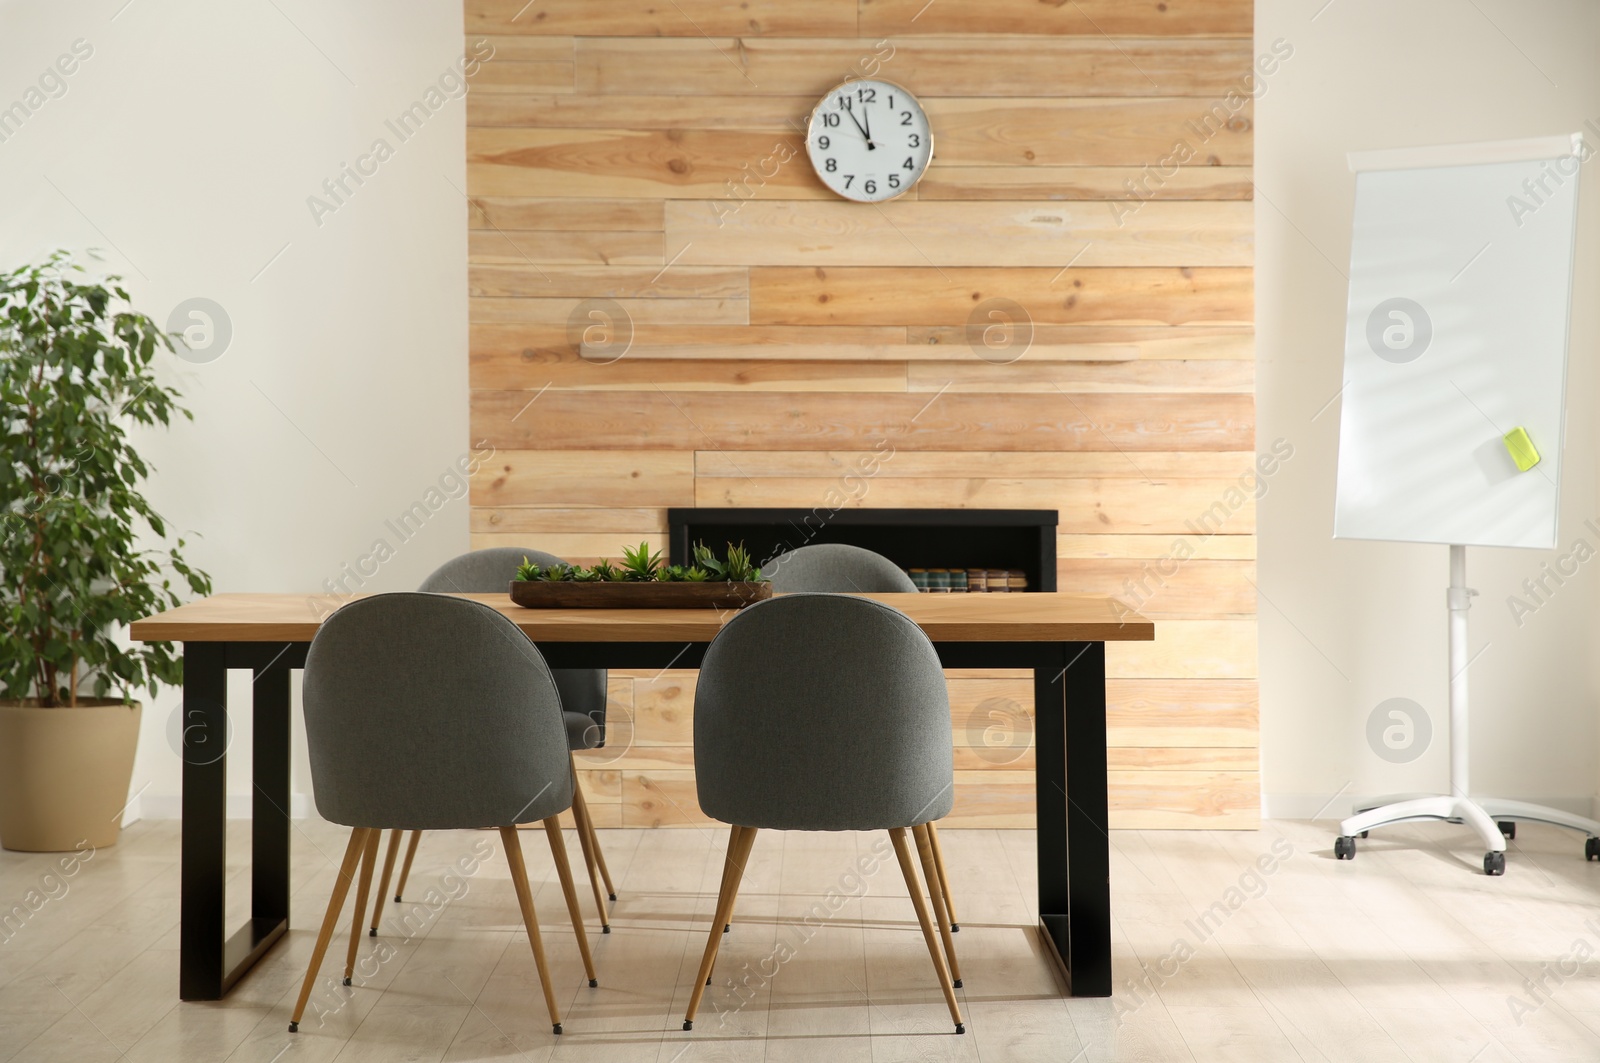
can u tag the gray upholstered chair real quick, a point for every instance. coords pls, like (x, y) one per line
(432, 713)
(835, 568)
(583, 701)
(823, 712)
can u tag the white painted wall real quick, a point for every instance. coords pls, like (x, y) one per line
(186, 147)
(1345, 626)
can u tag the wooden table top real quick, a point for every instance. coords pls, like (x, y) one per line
(1034, 617)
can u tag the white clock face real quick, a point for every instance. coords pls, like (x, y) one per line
(869, 140)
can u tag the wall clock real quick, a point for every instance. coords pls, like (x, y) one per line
(869, 140)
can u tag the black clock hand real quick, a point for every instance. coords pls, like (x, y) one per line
(867, 132)
(864, 134)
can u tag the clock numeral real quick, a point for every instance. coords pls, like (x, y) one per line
(907, 164)
(916, 141)
(905, 117)
(831, 165)
(823, 142)
(848, 178)
(894, 180)
(830, 120)
(844, 103)
(867, 95)
(869, 186)
(891, 101)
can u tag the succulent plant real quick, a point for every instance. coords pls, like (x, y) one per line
(680, 574)
(705, 559)
(639, 565)
(738, 568)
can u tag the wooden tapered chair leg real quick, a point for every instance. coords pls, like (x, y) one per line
(341, 886)
(903, 853)
(944, 883)
(740, 841)
(519, 879)
(369, 857)
(405, 867)
(580, 816)
(930, 874)
(558, 851)
(599, 854)
(383, 881)
(732, 874)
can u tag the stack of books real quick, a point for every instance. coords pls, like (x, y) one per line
(968, 580)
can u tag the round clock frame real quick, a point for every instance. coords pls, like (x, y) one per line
(847, 123)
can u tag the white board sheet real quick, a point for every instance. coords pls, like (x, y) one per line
(1456, 333)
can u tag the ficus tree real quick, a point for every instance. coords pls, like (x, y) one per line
(76, 372)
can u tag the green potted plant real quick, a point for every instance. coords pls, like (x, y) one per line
(75, 561)
(642, 581)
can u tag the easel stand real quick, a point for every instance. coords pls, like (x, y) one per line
(1457, 806)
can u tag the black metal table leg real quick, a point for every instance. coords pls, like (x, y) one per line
(205, 799)
(1088, 841)
(269, 814)
(1050, 803)
(269, 828)
(210, 959)
(1074, 848)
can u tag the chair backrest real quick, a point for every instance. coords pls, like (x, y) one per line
(822, 712)
(483, 571)
(427, 712)
(583, 690)
(836, 568)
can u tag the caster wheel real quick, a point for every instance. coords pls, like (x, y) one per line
(1344, 847)
(1494, 863)
(1365, 833)
(688, 1024)
(556, 1027)
(294, 1027)
(594, 983)
(1591, 848)
(1508, 828)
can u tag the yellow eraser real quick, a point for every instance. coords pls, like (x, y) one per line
(1522, 449)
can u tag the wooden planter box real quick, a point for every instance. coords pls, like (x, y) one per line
(532, 594)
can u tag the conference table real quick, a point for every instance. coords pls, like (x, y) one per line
(1061, 637)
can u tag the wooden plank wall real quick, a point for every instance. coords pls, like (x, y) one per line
(1092, 166)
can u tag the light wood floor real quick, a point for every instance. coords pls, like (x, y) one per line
(1410, 953)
